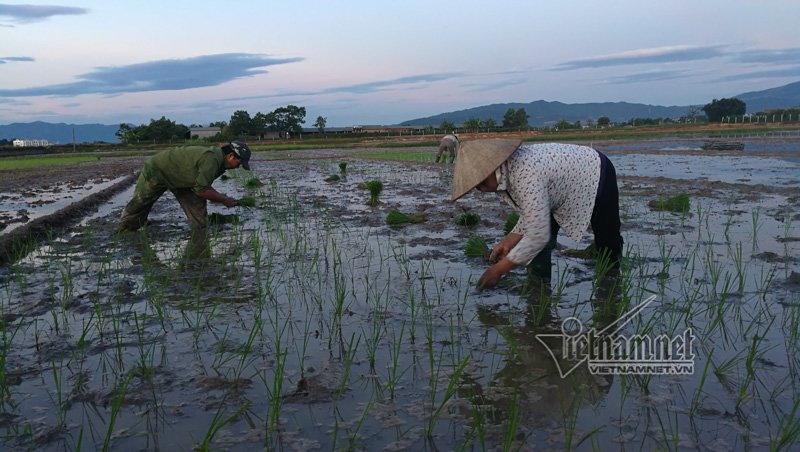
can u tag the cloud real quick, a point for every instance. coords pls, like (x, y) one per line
(793, 72)
(4, 60)
(669, 54)
(773, 56)
(382, 85)
(34, 13)
(362, 88)
(169, 75)
(653, 76)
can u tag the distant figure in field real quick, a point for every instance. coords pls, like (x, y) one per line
(450, 144)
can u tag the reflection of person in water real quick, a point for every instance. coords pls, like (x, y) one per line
(530, 376)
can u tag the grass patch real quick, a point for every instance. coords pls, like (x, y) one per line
(678, 204)
(11, 163)
(413, 156)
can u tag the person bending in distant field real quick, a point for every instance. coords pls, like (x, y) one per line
(551, 185)
(188, 173)
(448, 144)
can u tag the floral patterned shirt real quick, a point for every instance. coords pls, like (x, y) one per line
(540, 179)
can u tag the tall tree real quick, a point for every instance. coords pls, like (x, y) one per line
(472, 124)
(718, 109)
(447, 126)
(241, 123)
(515, 119)
(489, 124)
(290, 118)
(320, 124)
(260, 123)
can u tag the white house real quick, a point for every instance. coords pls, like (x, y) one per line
(30, 143)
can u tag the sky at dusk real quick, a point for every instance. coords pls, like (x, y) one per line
(380, 62)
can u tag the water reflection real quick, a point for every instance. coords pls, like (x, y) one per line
(529, 388)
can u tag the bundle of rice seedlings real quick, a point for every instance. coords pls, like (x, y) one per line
(677, 204)
(343, 167)
(332, 178)
(247, 201)
(395, 218)
(511, 221)
(468, 219)
(476, 247)
(253, 182)
(375, 188)
(218, 218)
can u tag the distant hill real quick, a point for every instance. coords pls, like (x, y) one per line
(60, 133)
(545, 113)
(786, 96)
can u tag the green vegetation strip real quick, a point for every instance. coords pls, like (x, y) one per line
(414, 156)
(39, 161)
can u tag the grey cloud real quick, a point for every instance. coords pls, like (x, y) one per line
(363, 88)
(771, 73)
(647, 77)
(170, 75)
(774, 56)
(4, 60)
(33, 13)
(655, 55)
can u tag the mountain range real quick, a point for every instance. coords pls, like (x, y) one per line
(544, 113)
(541, 113)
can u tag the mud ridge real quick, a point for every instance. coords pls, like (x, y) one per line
(17, 243)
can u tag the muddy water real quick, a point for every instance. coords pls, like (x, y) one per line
(315, 325)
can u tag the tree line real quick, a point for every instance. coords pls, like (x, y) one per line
(284, 121)
(287, 121)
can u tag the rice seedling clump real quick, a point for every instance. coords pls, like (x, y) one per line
(253, 182)
(375, 188)
(247, 201)
(396, 218)
(468, 219)
(677, 204)
(476, 247)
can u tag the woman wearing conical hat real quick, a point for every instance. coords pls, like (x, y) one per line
(552, 186)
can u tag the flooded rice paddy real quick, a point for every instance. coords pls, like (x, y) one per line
(315, 325)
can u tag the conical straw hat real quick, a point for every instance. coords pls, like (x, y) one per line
(478, 159)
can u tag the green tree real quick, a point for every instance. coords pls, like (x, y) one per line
(718, 109)
(240, 124)
(515, 119)
(447, 126)
(289, 118)
(161, 130)
(472, 124)
(260, 123)
(603, 121)
(220, 124)
(320, 124)
(489, 124)
(521, 118)
(125, 133)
